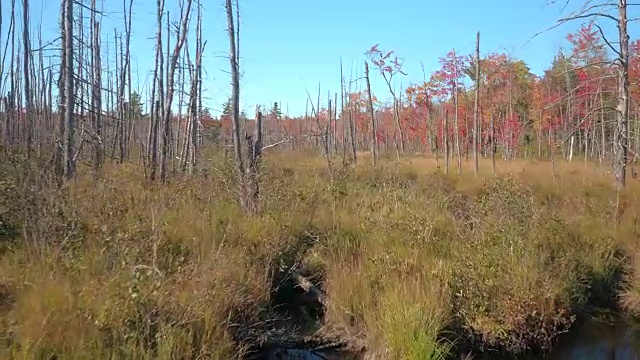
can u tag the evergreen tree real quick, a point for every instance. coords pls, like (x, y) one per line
(275, 111)
(226, 108)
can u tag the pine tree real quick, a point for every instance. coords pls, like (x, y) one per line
(276, 112)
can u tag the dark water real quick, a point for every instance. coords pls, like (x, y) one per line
(299, 354)
(593, 340)
(596, 340)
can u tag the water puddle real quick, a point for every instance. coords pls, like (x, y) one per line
(299, 354)
(593, 340)
(598, 340)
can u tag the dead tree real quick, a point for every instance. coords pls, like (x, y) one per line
(166, 133)
(447, 143)
(124, 114)
(326, 135)
(621, 135)
(492, 131)
(476, 107)
(455, 112)
(235, 108)
(195, 98)
(388, 71)
(2, 63)
(235, 91)
(621, 132)
(247, 177)
(27, 77)
(69, 123)
(254, 155)
(96, 89)
(374, 145)
(157, 105)
(342, 116)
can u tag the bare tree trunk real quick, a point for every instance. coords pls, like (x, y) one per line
(621, 135)
(603, 151)
(396, 115)
(455, 108)
(326, 133)
(159, 105)
(374, 150)
(352, 136)
(184, 150)
(125, 73)
(342, 116)
(247, 177)
(27, 77)
(254, 154)
(120, 83)
(569, 113)
(571, 142)
(69, 123)
(12, 95)
(352, 129)
(552, 146)
(2, 99)
(540, 135)
(96, 89)
(493, 143)
(196, 94)
(235, 104)
(335, 123)
(476, 107)
(447, 146)
(166, 134)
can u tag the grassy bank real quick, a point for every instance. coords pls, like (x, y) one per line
(413, 261)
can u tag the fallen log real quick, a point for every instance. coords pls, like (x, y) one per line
(308, 287)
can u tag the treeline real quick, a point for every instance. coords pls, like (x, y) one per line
(74, 98)
(568, 111)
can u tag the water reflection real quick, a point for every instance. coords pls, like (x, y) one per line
(597, 340)
(593, 340)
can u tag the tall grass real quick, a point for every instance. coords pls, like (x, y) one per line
(413, 261)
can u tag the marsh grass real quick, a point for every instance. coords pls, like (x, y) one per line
(414, 262)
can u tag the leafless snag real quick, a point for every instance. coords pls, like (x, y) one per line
(27, 77)
(621, 132)
(492, 131)
(621, 135)
(447, 142)
(391, 70)
(374, 144)
(166, 134)
(10, 98)
(69, 121)
(455, 112)
(254, 155)
(158, 90)
(235, 94)
(352, 128)
(247, 177)
(124, 111)
(476, 107)
(195, 98)
(96, 89)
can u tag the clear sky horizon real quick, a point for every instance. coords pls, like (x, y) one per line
(288, 46)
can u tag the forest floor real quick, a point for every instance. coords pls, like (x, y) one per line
(415, 264)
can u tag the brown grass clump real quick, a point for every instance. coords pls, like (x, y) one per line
(413, 262)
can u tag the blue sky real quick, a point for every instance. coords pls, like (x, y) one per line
(289, 45)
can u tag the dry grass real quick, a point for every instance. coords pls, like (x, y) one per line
(413, 261)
